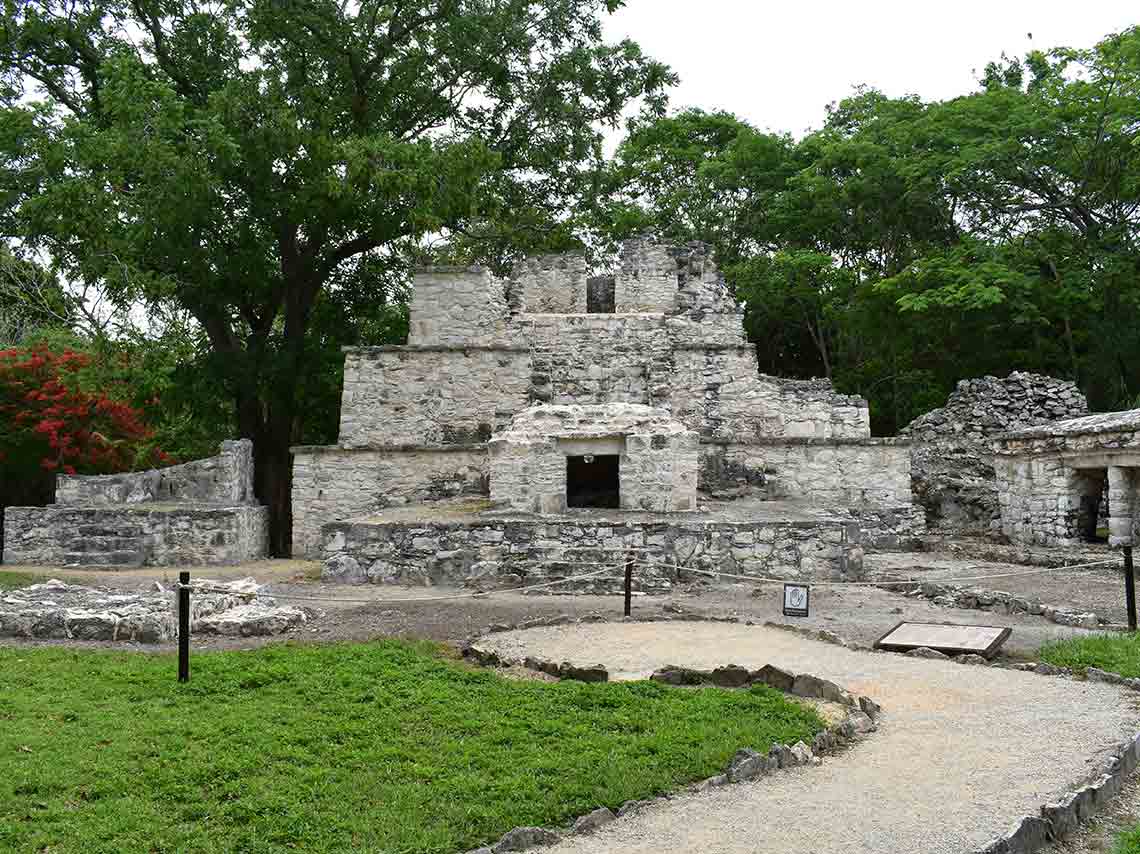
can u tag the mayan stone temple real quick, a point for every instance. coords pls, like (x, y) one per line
(547, 422)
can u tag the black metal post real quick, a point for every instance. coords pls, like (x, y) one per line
(628, 583)
(1130, 588)
(184, 627)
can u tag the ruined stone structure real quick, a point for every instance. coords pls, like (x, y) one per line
(198, 513)
(1051, 479)
(575, 402)
(952, 471)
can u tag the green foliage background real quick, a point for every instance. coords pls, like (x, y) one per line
(271, 172)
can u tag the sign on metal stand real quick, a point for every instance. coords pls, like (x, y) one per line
(184, 627)
(797, 600)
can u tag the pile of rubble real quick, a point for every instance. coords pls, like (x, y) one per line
(62, 611)
(952, 471)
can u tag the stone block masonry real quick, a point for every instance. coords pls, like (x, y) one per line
(662, 332)
(1050, 479)
(223, 479)
(505, 552)
(134, 535)
(198, 513)
(331, 483)
(952, 458)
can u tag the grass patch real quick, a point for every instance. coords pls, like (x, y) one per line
(1116, 653)
(1128, 842)
(11, 580)
(380, 747)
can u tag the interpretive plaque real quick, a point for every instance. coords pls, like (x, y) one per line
(945, 637)
(797, 600)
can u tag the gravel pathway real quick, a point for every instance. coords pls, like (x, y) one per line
(961, 753)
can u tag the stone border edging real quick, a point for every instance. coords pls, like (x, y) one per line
(970, 598)
(746, 765)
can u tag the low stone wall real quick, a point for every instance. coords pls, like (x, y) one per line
(223, 479)
(135, 535)
(497, 552)
(332, 484)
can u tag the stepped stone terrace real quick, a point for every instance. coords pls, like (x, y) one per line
(199, 513)
(540, 422)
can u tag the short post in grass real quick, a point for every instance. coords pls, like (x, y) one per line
(1130, 588)
(628, 582)
(184, 627)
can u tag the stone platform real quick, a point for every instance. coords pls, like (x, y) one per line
(144, 534)
(468, 542)
(200, 513)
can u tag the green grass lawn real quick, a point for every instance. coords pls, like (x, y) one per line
(10, 580)
(382, 747)
(1128, 842)
(1116, 653)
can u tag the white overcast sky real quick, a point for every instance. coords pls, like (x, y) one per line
(778, 64)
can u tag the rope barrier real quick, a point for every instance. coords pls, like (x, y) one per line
(760, 579)
(472, 595)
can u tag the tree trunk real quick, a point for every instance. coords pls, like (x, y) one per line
(269, 428)
(273, 483)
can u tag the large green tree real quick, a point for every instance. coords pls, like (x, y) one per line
(253, 161)
(907, 244)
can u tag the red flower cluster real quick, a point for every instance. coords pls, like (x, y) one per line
(46, 419)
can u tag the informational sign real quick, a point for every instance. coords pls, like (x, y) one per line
(949, 638)
(797, 600)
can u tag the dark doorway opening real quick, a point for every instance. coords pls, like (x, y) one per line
(1092, 517)
(593, 481)
(600, 294)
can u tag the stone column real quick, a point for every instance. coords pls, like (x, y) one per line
(1122, 484)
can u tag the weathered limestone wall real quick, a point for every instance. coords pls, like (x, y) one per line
(549, 284)
(657, 465)
(719, 393)
(1050, 478)
(332, 483)
(952, 458)
(646, 280)
(224, 479)
(203, 512)
(135, 535)
(457, 305)
(398, 395)
(494, 553)
(430, 396)
(596, 358)
(837, 472)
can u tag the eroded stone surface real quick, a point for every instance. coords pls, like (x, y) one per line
(62, 611)
(201, 513)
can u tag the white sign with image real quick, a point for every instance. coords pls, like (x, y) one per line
(797, 600)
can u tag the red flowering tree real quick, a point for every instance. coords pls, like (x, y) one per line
(48, 423)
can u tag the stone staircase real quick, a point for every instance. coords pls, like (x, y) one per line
(95, 545)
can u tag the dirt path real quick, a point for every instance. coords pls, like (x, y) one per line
(862, 614)
(961, 754)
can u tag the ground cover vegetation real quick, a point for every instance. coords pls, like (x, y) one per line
(272, 167)
(1116, 653)
(908, 244)
(1128, 842)
(386, 746)
(258, 178)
